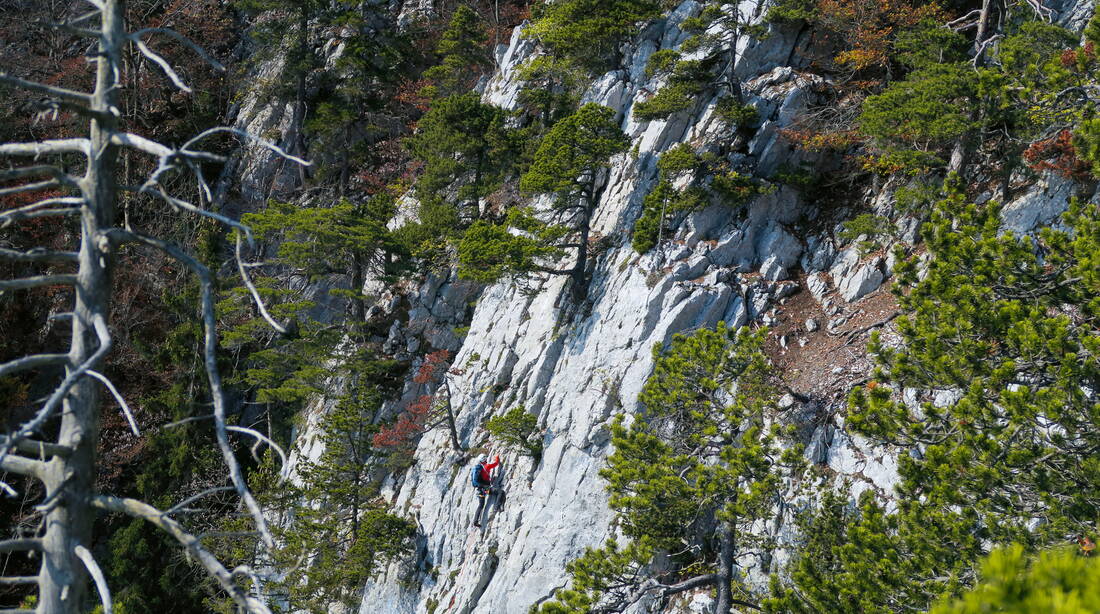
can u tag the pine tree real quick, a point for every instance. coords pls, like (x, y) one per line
(689, 478)
(705, 179)
(587, 32)
(465, 147)
(1013, 583)
(1004, 325)
(717, 35)
(340, 532)
(566, 167)
(463, 55)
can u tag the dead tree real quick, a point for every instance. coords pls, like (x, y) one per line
(66, 466)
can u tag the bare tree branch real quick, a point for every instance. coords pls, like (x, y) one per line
(30, 187)
(135, 36)
(212, 372)
(59, 393)
(139, 509)
(15, 580)
(32, 362)
(261, 438)
(37, 254)
(118, 397)
(50, 147)
(249, 137)
(164, 65)
(159, 192)
(21, 545)
(252, 290)
(22, 466)
(42, 449)
(37, 282)
(86, 557)
(52, 90)
(189, 500)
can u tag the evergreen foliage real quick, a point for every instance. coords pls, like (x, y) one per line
(566, 167)
(341, 532)
(517, 430)
(463, 55)
(717, 32)
(1014, 583)
(689, 477)
(704, 179)
(587, 32)
(924, 113)
(464, 146)
(1008, 332)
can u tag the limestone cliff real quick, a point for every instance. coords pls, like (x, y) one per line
(777, 261)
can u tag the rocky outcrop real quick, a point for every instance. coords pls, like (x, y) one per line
(577, 367)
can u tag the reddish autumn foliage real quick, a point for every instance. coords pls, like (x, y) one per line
(433, 366)
(867, 27)
(1059, 155)
(412, 422)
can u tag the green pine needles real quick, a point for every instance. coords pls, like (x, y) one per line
(688, 478)
(566, 167)
(518, 430)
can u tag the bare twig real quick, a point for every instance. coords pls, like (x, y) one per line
(118, 397)
(32, 362)
(43, 148)
(159, 192)
(252, 290)
(51, 90)
(59, 393)
(139, 509)
(37, 254)
(244, 135)
(182, 504)
(37, 282)
(86, 557)
(164, 65)
(135, 36)
(261, 438)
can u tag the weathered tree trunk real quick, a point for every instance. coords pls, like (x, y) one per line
(62, 577)
(724, 598)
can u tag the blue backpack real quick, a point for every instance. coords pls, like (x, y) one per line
(475, 476)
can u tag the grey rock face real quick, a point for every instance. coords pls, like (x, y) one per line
(862, 281)
(1040, 205)
(577, 367)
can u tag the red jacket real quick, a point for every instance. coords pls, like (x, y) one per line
(486, 468)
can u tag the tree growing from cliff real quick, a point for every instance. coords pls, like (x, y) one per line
(566, 167)
(703, 179)
(462, 55)
(70, 414)
(339, 531)
(587, 32)
(688, 478)
(1004, 326)
(517, 430)
(465, 148)
(717, 32)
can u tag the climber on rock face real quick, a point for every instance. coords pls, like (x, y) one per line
(482, 481)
